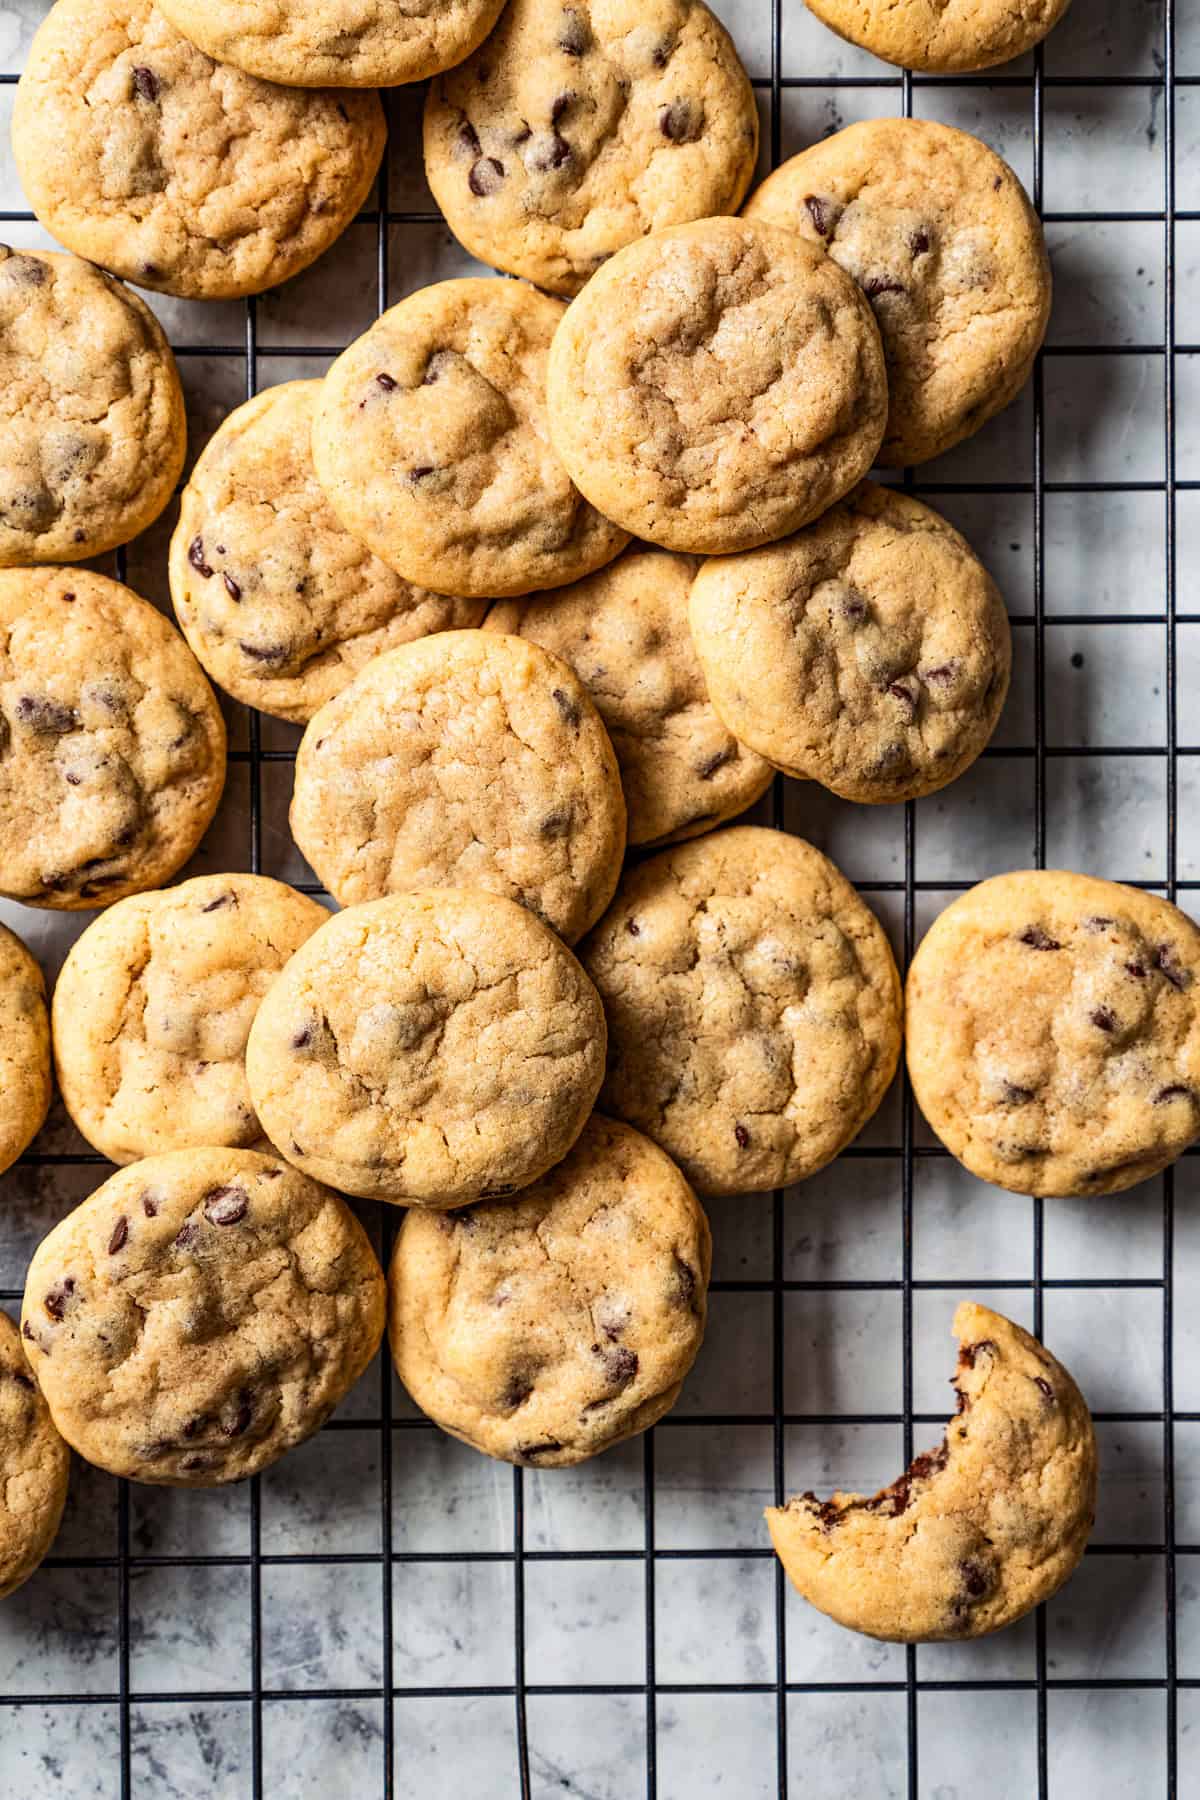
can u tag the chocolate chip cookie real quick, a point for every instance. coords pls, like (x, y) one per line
(92, 426)
(35, 1466)
(336, 43)
(202, 1313)
(576, 128)
(139, 152)
(717, 385)
(943, 241)
(281, 605)
(432, 444)
(942, 36)
(1054, 1032)
(24, 1049)
(431, 1049)
(464, 760)
(870, 651)
(753, 1008)
(544, 1329)
(974, 1534)
(625, 633)
(113, 748)
(154, 1005)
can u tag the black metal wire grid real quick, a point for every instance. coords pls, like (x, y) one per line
(527, 1776)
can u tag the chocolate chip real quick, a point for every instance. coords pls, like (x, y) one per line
(150, 1206)
(681, 122)
(468, 137)
(818, 212)
(555, 824)
(195, 1426)
(975, 1579)
(517, 1391)
(415, 476)
(968, 1352)
(943, 673)
(1137, 970)
(303, 1038)
(1098, 923)
(27, 270)
(485, 177)
(931, 1462)
(708, 768)
(27, 1331)
(633, 928)
(21, 1380)
(1104, 1019)
(620, 1365)
(1166, 961)
(56, 1300)
(559, 105)
(685, 1280)
(232, 588)
(1043, 1386)
(264, 653)
(437, 365)
(906, 697)
(387, 383)
(226, 1205)
(186, 1236)
(1176, 1091)
(552, 154)
(145, 83)
(1037, 939)
(1016, 1096)
(742, 1137)
(45, 715)
(875, 285)
(192, 1463)
(530, 1452)
(120, 1233)
(241, 1419)
(567, 707)
(918, 243)
(573, 36)
(660, 56)
(216, 905)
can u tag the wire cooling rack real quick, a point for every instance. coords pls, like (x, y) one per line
(388, 1613)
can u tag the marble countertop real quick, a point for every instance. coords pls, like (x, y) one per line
(319, 1634)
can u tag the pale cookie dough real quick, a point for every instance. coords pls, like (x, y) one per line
(717, 385)
(544, 1329)
(753, 1008)
(942, 239)
(578, 127)
(432, 444)
(942, 36)
(281, 605)
(625, 633)
(139, 152)
(430, 1049)
(154, 1005)
(24, 1049)
(1054, 1032)
(871, 651)
(35, 1466)
(974, 1534)
(112, 747)
(464, 760)
(336, 43)
(202, 1313)
(92, 427)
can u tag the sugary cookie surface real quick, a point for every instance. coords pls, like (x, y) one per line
(942, 35)
(34, 1466)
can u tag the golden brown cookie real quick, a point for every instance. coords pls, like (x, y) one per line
(113, 745)
(432, 444)
(625, 633)
(24, 1049)
(464, 760)
(201, 1314)
(942, 36)
(976, 1533)
(281, 605)
(717, 385)
(753, 1008)
(431, 1049)
(545, 1329)
(154, 1005)
(1054, 1032)
(92, 426)
(578, 127)
(140, 153)
(35, 1466)
(870, 651)
(943, 241)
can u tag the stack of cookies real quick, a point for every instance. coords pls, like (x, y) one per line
(548, 570)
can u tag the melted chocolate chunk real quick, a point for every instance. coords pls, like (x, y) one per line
(681, 122)
(556, 824)
(150, 1206)
(1104, 1019)
(216, 905)
(552, 154)
(1176, 1091)
(234, 1427)
(186, 1236)
(226, 1205)
(145, 83)
(818, 212)
(58, 1298)
(1044, 1388)
(1016, 1096)
(1037, 939)
(485, 177)
(30, 273)
(685, 1280)
(620, 1365)
(531, 1452)
(906, 697)
(46, 716)
(708, 768)
(264, 653)
(1168, 964)
(968, 1352)
(559, 105)
(196, 558)
(120, 1234)
(741, 1137)
(633, 928)
(468, 137)
(517, 1390)
(387, 383)
(975, 1579)
(567, 707)
(918, 243)
(232, 588)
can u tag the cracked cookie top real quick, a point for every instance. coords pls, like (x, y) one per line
(112, 747)
(24, 1048)
(625, 633)
(717, 385)
(753, 1008)
(336, 43)
(432, 443)
(546, 1328)
(870, 651)
(281, 605)
(464, 760)
(431, 1049)
(154, 1005)
(941, 237)
(34, 1466)
(92, 426)
(199, 1315)
(140, 153)
(1054, 1033)
(578, 127)
(942, 36)
(975, 1533)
